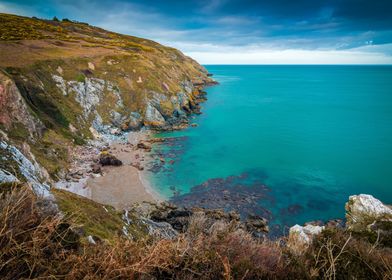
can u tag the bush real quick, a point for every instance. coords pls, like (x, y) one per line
(36, 246)
(336, 254)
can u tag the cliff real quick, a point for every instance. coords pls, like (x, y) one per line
(62, 83)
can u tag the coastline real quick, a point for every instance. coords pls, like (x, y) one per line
(121, 186)
(118, 186)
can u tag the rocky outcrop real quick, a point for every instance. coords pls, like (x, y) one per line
(153, 117)
(365, 215)
(89, 93)
(304, 235)
(364, 210)
(179, 218)
(109, 159)
(15, 166)
(14, 113)
(133, 122)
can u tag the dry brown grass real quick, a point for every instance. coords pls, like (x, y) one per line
(29, 241)
(338, 255)
(35, 246)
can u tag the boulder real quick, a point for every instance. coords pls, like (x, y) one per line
(303, 235)
(108, 159)
(91, 240)
(144, 145)
(91, 65)
(364, 210)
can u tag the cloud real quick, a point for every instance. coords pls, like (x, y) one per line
(364, 55)
(253, 30)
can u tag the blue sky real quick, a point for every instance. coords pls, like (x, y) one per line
(241, 31)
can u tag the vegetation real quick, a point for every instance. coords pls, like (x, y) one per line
(37, 246)
(135, 68)
(102, 222)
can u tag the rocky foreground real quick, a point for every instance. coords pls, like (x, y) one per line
(159, 241)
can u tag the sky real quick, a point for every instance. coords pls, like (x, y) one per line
(240, 31)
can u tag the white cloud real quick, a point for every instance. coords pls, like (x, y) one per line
(290, 56)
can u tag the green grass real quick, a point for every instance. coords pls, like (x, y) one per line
(80, 78)
(96, 219)
(18, 132)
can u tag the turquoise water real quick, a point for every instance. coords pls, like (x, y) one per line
(312, 134)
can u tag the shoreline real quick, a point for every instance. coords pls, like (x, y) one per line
(118, 186)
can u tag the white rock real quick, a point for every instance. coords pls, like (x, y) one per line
(6, 177)
(29, 169)
(91, 65)
(72, 128)
(91, 240)
(88, 93)
(304, 234)
(139, 80)
(115, 131)
(362, 210)
(60, 83)
(59, 70)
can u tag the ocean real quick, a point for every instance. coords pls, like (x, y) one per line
(290, 143)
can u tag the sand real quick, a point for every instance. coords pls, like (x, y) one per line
(124, 185)
(118, 186)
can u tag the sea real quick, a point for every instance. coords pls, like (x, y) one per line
(290, 143)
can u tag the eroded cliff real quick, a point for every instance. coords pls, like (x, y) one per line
(62, 83)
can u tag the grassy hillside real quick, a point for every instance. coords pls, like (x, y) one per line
(74, 80)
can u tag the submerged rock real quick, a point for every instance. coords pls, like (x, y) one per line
(241, 193)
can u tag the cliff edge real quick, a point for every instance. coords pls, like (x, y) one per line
(65, 82)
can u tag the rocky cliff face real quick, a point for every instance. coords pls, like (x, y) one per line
(62, 83)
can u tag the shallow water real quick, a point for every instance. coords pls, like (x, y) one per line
(313, 135)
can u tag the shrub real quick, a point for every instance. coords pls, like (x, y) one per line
(36, 246)
(336, 254)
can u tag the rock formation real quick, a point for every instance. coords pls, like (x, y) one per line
(85, 83)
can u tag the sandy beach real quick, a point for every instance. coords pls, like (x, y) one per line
(122, 186)
(118, 186)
